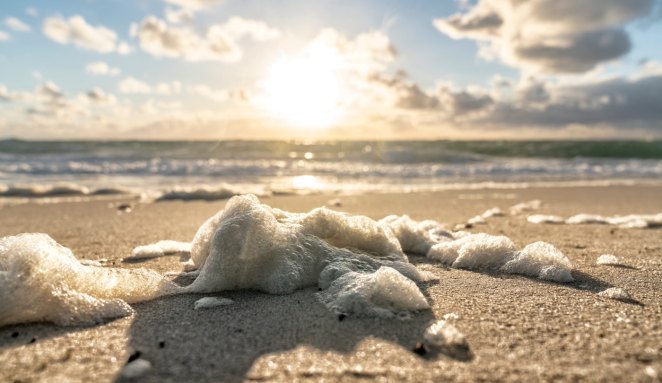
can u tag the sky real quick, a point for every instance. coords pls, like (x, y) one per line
(331, 69)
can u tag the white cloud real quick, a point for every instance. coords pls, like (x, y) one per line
(195, 4)
(179, 15)
(49, 101)
(239, 27)
(49, 90)
(100, 68)
(548, 35)
(99, 97)
(132, 85)
(4, 36)
(124, 48)
(218, 44)
(75, 30)
(16, 25)
(4, 93)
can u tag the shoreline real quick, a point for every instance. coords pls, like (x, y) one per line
(54, 192)
(518, 328)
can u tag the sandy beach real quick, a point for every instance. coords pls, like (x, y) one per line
(518, 328)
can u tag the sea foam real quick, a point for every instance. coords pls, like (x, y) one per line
(359, 264)
(160, 249)
(41, 280)
(630, 221)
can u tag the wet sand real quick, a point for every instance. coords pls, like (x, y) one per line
(518, 328)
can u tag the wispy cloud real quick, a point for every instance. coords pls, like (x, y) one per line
(220, 43)
(16, 25)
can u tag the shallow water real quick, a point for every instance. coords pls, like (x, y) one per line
(215, 170)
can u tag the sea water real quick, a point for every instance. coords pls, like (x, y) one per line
(218, 170)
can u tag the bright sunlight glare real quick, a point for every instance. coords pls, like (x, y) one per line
(305, 91)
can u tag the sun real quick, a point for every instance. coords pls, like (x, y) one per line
(306, 90)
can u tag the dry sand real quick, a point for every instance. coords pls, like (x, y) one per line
(519, 329)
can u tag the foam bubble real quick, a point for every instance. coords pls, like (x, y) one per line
(210, 302)
(41, 280)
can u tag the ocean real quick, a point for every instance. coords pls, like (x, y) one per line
(208, 169)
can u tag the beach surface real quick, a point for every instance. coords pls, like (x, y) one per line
(517, 328)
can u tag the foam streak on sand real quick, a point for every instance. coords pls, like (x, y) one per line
(631, 221)
(359, 263)
(160, 249)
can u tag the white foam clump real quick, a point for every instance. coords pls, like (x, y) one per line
(384, 293)
(524, 207)
(358, 261)
(483, 251)
(442, 335)
(41, 280)
(416, 237)
(615, 293)
(210, 302)
(609, 259)
(160, 249)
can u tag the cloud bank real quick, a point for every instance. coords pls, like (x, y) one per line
(549, 36)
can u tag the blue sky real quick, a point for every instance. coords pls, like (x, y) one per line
(440, 84)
